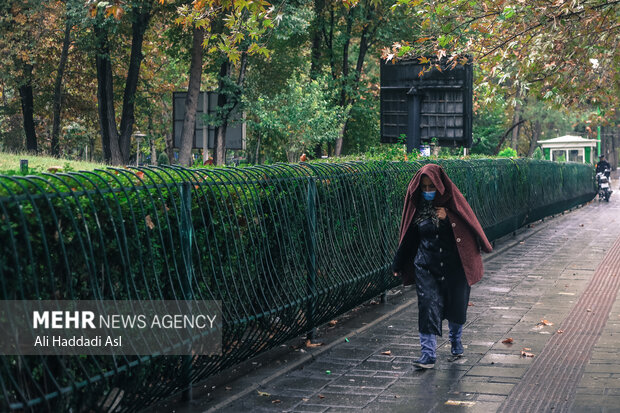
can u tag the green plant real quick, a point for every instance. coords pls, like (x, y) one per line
(507, 153)
(163, 159)
(538, 154)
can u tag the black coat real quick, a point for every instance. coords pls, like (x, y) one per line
(602, 165)
(441, 285)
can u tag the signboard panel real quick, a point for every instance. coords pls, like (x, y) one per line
(437, 105)
(207, 104)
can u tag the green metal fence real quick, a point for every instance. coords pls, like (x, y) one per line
(285, 247)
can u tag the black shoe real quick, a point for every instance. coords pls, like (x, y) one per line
(425, 362)
(457, 348)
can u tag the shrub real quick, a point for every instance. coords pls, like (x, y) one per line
(508, 153)
(162, 159)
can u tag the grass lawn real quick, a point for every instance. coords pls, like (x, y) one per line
(9, 164)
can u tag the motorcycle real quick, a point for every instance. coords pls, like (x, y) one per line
(604, 190)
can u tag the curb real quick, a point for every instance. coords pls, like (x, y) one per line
(309, 357)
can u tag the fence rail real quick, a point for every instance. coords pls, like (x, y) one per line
(284, 247)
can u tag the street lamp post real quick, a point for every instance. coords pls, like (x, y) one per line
(139, 136)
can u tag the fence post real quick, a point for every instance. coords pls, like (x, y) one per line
(311, 222)
(186, 279)
(383, 237)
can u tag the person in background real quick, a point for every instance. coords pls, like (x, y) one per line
(603, 165)
(439, 250)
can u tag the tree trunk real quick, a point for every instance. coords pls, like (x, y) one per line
(317, 33)
(220, 131)
(27, 100)
(168, 135)
(57, 99)
(105, 99)
(536, 130)
(224, 99)
(363, 49)
(256, 158)
(191, 102)
(505, 135)
(514, 142)
(344, 80)
(220, 148)
(141, 17)
(614, 152)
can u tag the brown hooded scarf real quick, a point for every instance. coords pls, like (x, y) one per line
(468, 234)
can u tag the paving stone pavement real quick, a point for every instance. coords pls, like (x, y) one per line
(540, 278)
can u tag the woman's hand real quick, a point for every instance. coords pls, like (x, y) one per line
(441, 212)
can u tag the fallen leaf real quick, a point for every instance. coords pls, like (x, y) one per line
(387, 352)
(149, 222)
(311, 344)
(526, 349)
(464, 403)
(262, 393)
(526, 354)
(333, 323)
(560, 331)
(276, 401)
(589, 310)
(305, 399)
(140, 174)
(321, 396)
(544, 323)
(508, 340)
(228, 388)
(470, 304)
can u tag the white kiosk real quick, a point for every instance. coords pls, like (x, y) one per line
(570, 148)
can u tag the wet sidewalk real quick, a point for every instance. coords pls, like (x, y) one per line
(551, 292)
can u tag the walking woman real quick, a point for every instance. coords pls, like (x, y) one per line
(439, 251)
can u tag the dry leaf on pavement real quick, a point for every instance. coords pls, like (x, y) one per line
(387, 353)
(508, 340)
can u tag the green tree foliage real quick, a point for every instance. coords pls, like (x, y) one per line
(295, 120)
(535, 62)
(488, 127)
(564, 50)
